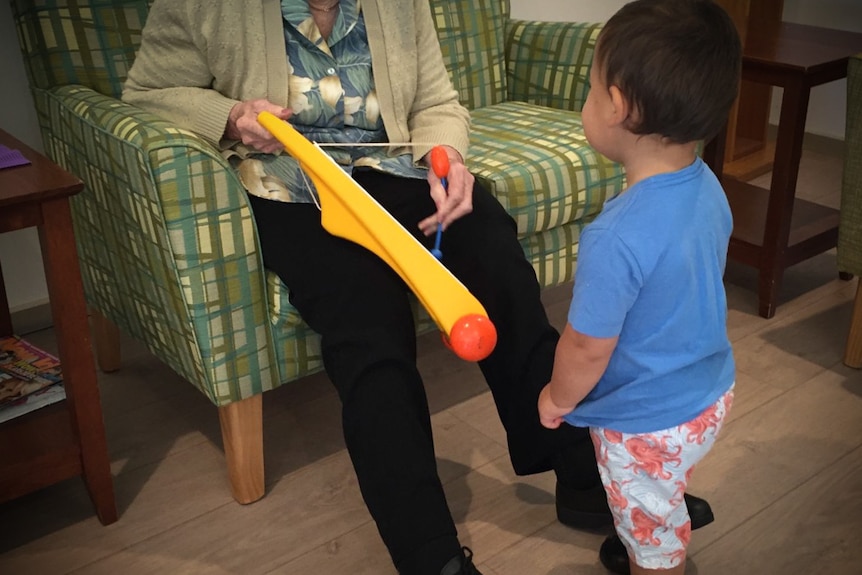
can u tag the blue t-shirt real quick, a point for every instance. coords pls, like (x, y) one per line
(650, 271)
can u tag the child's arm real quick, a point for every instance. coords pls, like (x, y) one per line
(579, 363)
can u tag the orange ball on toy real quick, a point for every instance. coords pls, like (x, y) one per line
(472, 337)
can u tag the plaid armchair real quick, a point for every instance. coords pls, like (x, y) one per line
(165, 236)
(850, 228)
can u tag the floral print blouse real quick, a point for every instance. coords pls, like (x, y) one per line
(333, 101)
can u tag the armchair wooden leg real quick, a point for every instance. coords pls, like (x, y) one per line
(106, 339)
(242, 433)
(853, 351)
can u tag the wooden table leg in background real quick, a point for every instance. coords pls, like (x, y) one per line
(69, 311)
(714, 150)
(5, 314)
(772, 229)
(788, 152)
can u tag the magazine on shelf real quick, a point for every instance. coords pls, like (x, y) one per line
(30, 378)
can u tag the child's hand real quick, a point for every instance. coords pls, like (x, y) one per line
(550, 415)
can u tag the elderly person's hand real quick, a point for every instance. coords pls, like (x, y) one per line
(454, 202)
(242, 125)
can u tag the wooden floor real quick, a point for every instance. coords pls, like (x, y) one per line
(785, 478)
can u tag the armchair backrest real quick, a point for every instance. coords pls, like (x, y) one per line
(92, 43)
(472, 37)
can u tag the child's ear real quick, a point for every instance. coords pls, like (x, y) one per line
(621, 108)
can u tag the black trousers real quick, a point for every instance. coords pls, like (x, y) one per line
(360, 307)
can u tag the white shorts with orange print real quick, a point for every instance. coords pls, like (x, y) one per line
(645, 476)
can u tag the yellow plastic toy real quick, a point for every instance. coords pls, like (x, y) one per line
(348, 211)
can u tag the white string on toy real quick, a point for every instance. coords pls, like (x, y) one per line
(372, 144)
(356, 145)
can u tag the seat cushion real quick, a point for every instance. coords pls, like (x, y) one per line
(297, 346)
(537, 162)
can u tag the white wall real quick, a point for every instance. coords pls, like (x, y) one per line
(827, 105)
(565, 10)
(19, 251)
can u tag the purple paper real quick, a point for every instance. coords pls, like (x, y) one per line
(10, 158)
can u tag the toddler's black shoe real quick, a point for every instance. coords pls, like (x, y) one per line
(588, 508)
(461, 565)
(614, 555)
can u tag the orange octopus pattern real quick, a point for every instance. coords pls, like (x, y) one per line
(651, 453)
(645, 476)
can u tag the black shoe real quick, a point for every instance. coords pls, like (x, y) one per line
(699, 511)
(461, 564)
(588, 508)
(614, 555)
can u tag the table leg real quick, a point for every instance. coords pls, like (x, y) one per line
(776, 235)
(714, 150)
(65, 290)
(5, 315)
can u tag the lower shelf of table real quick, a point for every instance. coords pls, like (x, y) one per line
(813, 228)
(37, 449)
(756, 160)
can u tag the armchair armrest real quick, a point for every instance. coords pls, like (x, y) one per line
(166, 240)
(548, 63)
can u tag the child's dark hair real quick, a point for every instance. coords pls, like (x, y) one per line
(677, 62)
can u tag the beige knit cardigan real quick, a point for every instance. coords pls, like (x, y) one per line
(198, 58)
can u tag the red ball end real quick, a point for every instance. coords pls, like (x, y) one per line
(473, 337)
(440, 161)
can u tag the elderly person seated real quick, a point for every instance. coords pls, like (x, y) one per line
(361, 75)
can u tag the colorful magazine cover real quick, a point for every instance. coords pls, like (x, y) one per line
(29, 378)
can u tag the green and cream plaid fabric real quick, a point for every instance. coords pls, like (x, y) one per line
(522, 82)
(166, 239)
(537, 162)
(850, 228)
(78, 42)
(548, 63)
(472, 36)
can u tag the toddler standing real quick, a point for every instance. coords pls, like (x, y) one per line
(644, 361)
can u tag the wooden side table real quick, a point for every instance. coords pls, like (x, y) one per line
(749, 152)
(66, 439)
(772, 229)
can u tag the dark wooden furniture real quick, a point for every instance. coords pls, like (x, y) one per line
(749, 151)
(772, 229)
(66, 439)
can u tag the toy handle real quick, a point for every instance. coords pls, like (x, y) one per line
(473, 336)
(440, 165)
